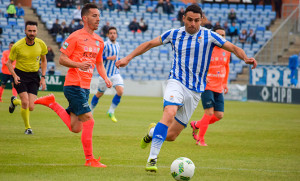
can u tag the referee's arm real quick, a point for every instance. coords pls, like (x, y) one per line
(44, 69)
(13, 73)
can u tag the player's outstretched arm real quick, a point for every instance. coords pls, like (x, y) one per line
(142, 48)
(239, 53)
(65, 61)
(44, 69)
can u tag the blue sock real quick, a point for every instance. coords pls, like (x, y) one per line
(159, 136)
(94, 101)
(115, 102)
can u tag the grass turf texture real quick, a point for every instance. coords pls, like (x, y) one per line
(254, 141)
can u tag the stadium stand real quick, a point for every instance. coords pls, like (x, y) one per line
(156, 63)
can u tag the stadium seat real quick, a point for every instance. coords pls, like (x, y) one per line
(250, 7)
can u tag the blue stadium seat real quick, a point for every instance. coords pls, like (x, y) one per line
(250, 7)
(261, 7)
(268, 8)
(241, 7)
(224, 6)
(233, 6)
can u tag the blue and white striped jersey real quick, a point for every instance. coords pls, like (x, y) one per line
(192, 55)
(109, 50)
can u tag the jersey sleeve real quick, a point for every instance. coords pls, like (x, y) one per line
(100, 56)
(13, 53)
(44, 48)
(69, 45)
(217, 39)
(166, 37)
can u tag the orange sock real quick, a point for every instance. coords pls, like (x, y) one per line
(203, 125)
(14, 92)
(86, 138)
(62, 113)
(1, 92)
(213, 119)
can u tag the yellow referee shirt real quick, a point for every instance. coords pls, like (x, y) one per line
(28, 56)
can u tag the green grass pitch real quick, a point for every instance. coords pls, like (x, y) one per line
(254, 141)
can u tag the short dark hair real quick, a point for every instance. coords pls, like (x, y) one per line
(34, 23)
(87, 7)
(12, 42)
(112, 28)
(218, 28)
(194, 8)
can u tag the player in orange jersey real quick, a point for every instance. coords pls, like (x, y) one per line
(81, 51)
(6, 75)
(212, 98)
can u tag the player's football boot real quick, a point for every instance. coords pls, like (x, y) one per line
(147, 139)
(94, 163)
(45, 100)
(12, 106)
(195, 130)
(151, 166)
(28, 131)
(201, 143)
(112, 117)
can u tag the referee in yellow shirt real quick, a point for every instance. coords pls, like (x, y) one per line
(27, 52)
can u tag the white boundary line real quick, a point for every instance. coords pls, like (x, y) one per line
(139, 166)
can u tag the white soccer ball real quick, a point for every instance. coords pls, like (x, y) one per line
(182, 169)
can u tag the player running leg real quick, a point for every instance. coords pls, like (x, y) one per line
(95, 100)
(115, 102)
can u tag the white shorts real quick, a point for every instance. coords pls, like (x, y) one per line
(116, 80)
(187, 100)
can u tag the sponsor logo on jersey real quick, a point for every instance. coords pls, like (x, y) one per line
(65, 45)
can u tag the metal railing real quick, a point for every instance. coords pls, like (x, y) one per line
(279, 41)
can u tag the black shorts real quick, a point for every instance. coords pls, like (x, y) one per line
(30, 82)
(6, 78)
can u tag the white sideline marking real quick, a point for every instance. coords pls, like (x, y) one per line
(139, 166)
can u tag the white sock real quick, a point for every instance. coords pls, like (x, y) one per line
(151, 132)
(155, 148)
(112, 108)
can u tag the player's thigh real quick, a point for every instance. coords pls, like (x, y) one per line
(101, 85)
(78, 99)
(219, 102)
(31, 99)
(207, 99)
(117, 80)
(5, 78)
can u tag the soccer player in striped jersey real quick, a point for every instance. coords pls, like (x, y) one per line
(110, 56)
(192, 47)
(212, 98)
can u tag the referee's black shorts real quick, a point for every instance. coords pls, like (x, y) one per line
(30, 82)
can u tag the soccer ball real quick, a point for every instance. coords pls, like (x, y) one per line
(182, 169)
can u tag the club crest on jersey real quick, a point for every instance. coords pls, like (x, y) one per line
(171, 98)
(65, 45)
(223, 53)
(97, 43)
(199, 39)
(37, 58)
